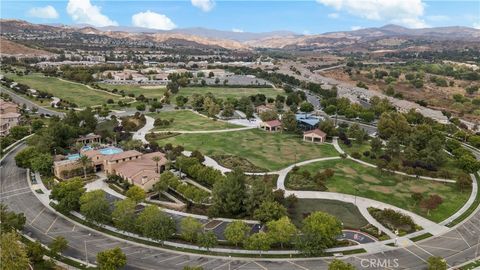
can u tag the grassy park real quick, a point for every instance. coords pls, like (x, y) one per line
(356, 179)
(147, 91)
(346, 212)
(271, 151)
(230, 92)
(77, 93)
(190, 121)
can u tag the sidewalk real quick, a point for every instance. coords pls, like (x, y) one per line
(140, 134)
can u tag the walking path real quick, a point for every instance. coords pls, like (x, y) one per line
(205, 131)
(140, 134)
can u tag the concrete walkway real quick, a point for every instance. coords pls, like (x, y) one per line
(140, 134)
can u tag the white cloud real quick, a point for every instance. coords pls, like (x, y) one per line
(356, 27)
(333, 15)
(152, 20)
(236, 30)
(404, 12)
(46, 12)
(82, 11)
(204, 5)
(476, 25)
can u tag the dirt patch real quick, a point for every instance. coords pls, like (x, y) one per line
(152, 87)
(382, 189)
(348, 170)
(370, 179)
(418, 189)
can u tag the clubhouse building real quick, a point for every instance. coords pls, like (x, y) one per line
(137, 168)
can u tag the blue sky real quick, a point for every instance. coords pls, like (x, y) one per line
(309, 17)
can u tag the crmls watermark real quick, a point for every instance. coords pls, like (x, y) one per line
(379, 263)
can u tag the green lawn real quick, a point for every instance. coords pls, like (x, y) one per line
(346, 212)
(233, 92)
(76, 93)
(147, 91)
(271, 151)
(450, 167)
(353, 178)
(189, 121)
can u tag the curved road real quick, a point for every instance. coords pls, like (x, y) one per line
(457, 246)
(21, 100)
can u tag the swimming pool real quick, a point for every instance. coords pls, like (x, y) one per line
(73, 156)
(110, 151)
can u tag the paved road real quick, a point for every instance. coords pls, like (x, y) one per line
(21, 100)
(456, 246)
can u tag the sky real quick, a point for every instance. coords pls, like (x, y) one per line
(301, 16)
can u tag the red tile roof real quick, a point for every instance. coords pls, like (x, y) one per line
(316, 132)
(273, 123)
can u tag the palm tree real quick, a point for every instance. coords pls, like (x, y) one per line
(156, 159)
(85, 161)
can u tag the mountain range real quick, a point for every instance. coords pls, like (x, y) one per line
(377, 37)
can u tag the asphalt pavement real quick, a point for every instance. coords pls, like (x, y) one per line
(457, 246)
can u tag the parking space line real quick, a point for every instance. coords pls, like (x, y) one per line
(299, 266)
(454, 250)
(460, 233)
(39, 213)
(448, 237)
(51, 225)
(207, 262)
(185, 261)
(263, 267)
(221, 266)
(241, 265)
(473, 224)
(131, 253)
(13, 190)
(13, 195)
(152, 255)
(74, 226)
(171, 258)
(415, 255)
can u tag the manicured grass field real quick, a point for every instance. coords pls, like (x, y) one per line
(234, 92)
(76, 93)
(346, 212)
(353, 178)
(189, 121)
(137, 90)
(271, 151)
(449, 166)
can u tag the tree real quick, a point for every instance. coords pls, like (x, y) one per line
(417, 197)
(58, 244)
(340, 265)
(18, 132)
(23, 158)
(289, 121)
(155, 224)
(42, 163)
(306, 107)
(319, 231)
(269, 210)
(13, 255)
(35, 252)
(85, 161)
(437, 263)
(68, 194)
(123, 215)
(198, 155)
(431, 203)
(268, 115)
(207, 239)
(328, 127)
(229, 195)
(376, 146)
(258, 241)
(236, 232)
(190, 228)
(156, 159)
(173, 87)
(136, 193)
(281, 231)
(94, 206)
(111, 259)
(10, 221)
(228, 110)
(464, 182)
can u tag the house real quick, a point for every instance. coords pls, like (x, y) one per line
(264, 108)
(273, 125)
(9, 116)
(314, 135)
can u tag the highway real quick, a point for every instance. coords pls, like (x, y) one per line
(457, 246)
